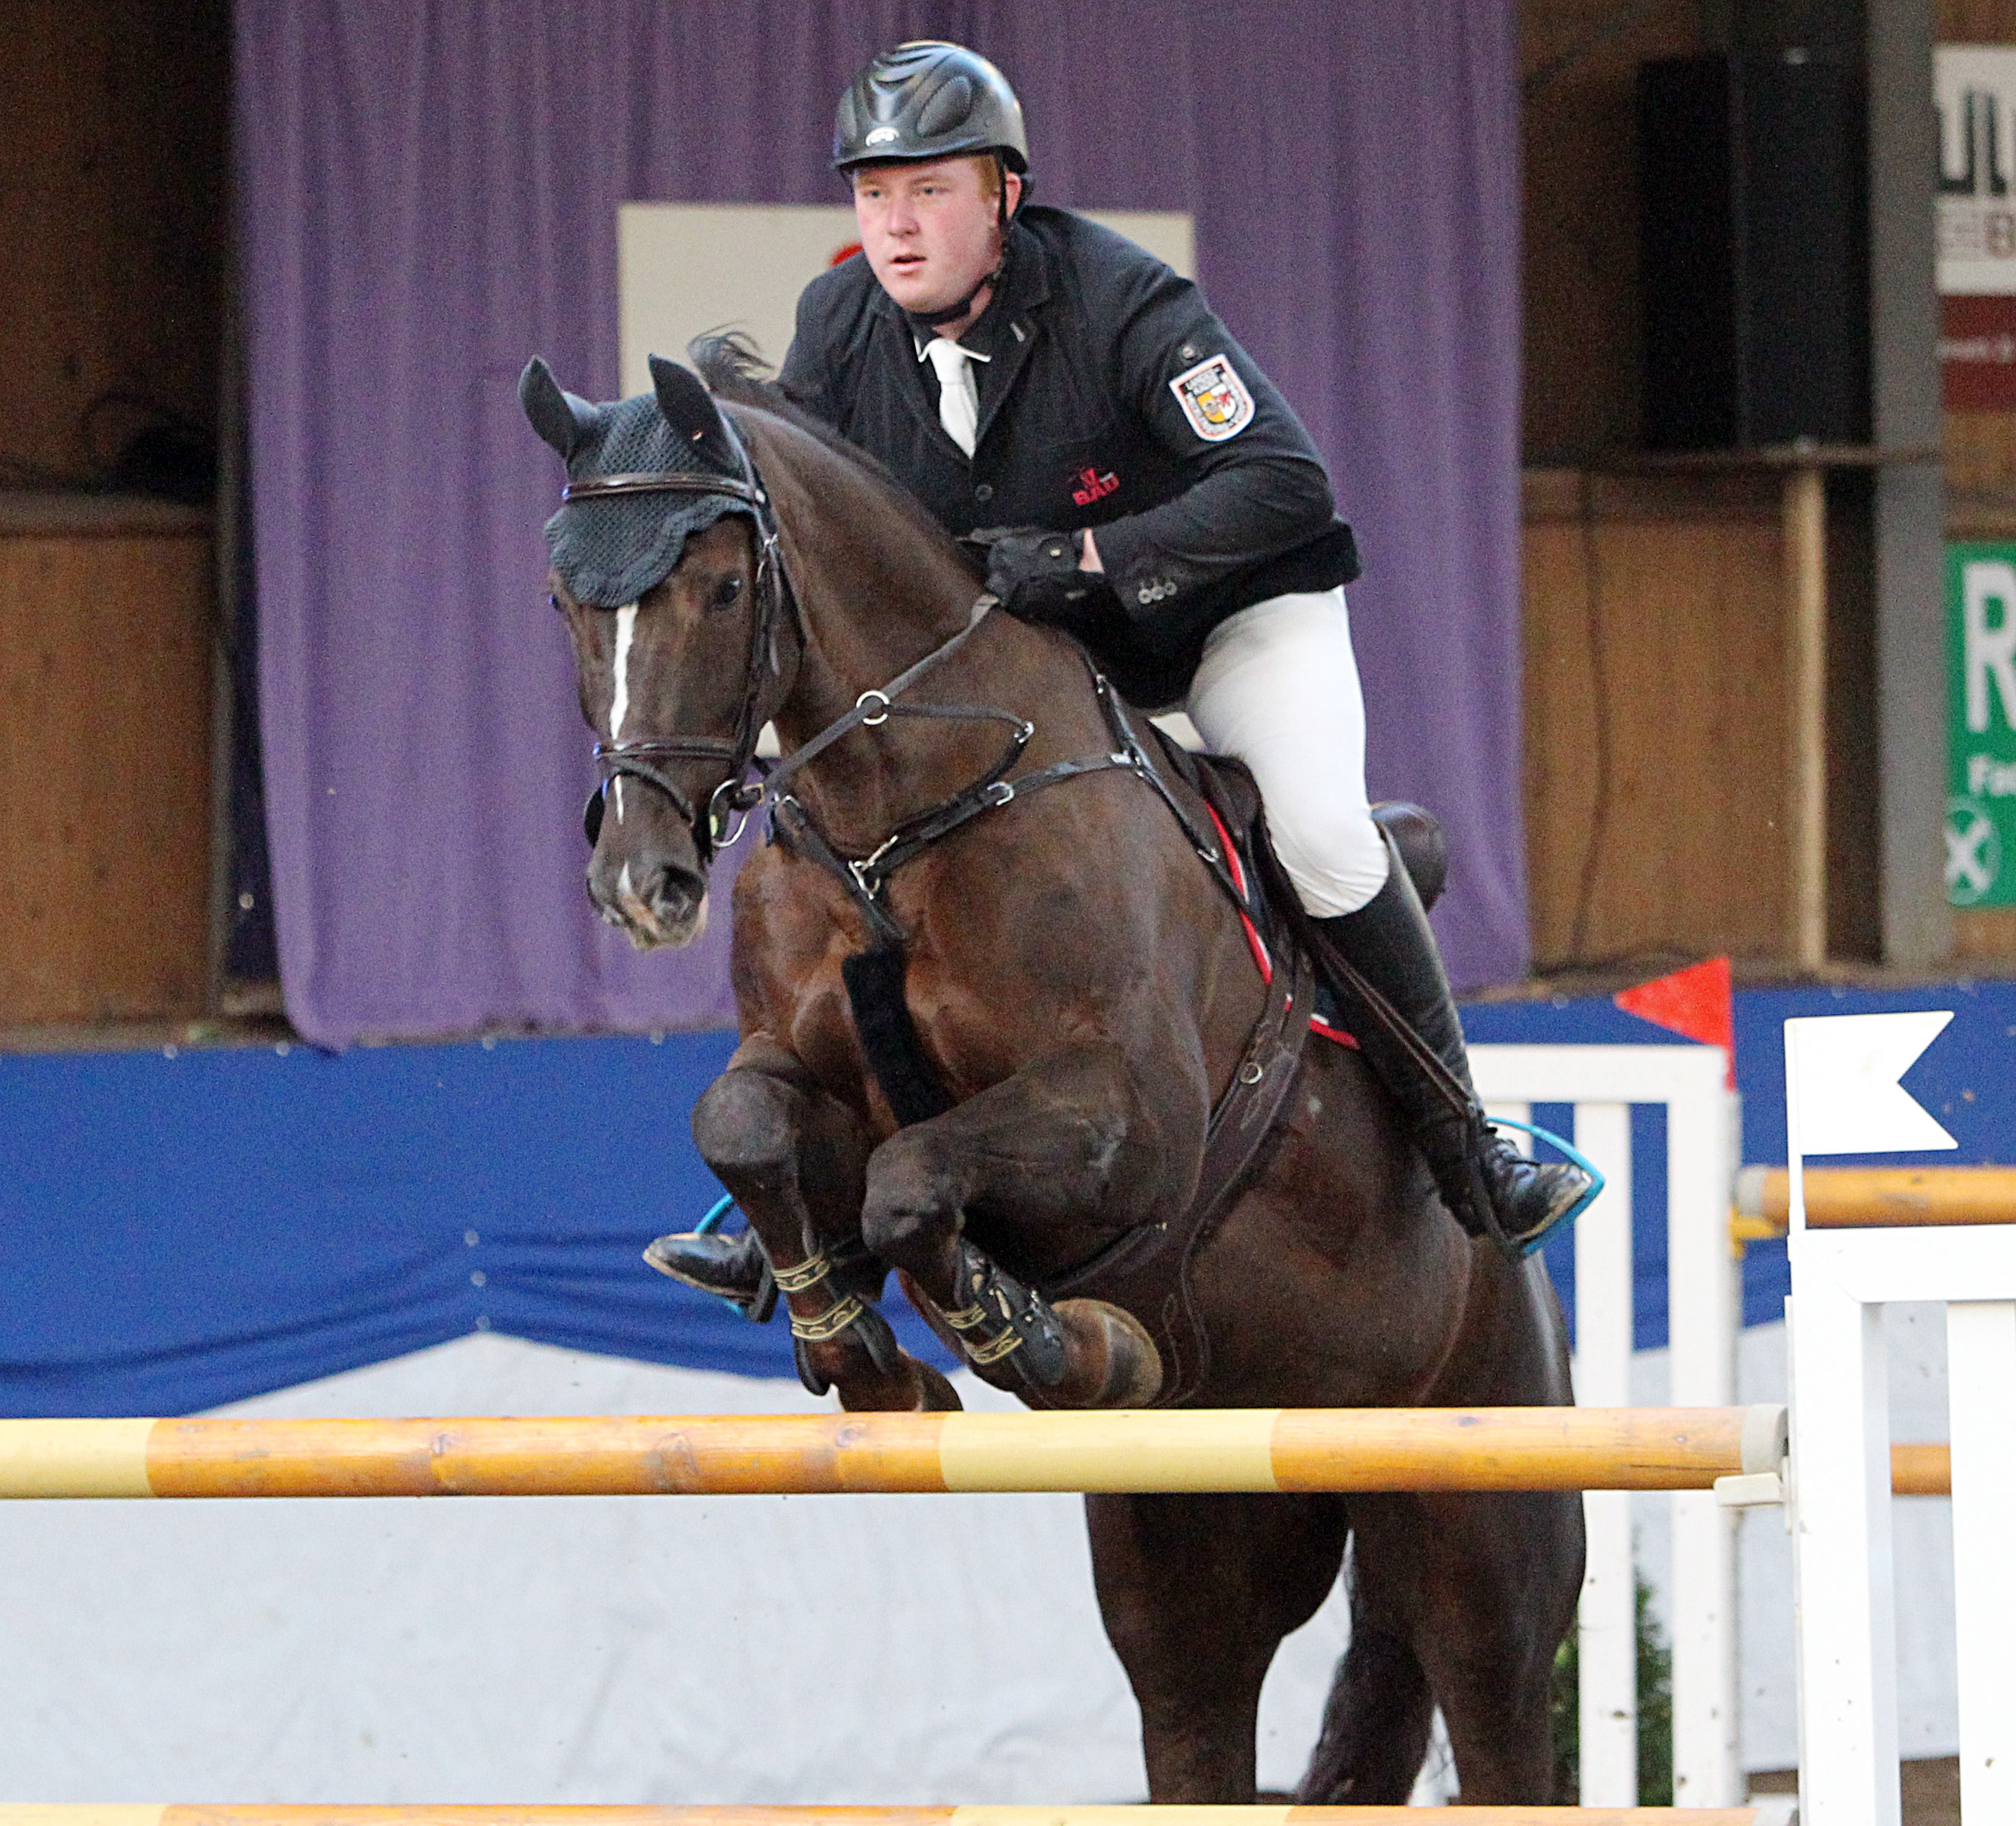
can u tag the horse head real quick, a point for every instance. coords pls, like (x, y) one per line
(662, 568)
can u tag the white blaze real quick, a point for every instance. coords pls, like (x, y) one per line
(619, 704)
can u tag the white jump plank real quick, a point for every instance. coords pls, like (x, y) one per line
(1845, 1618)
(1607, 1647)
(1981, 1367)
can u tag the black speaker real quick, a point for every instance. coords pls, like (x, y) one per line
(1754, 267)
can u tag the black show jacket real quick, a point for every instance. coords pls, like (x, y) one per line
(1080, 426)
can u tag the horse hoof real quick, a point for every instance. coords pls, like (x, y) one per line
(935, 1394)
(1111, 1361)
(911, 1387)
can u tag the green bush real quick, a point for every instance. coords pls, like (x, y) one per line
(1655, 1713)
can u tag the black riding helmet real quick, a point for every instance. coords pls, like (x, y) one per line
(927, 99)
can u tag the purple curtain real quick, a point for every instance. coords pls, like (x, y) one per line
(428, 195)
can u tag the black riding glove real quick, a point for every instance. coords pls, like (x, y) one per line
(1035, 574)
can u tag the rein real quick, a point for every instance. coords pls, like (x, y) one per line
(865, 877)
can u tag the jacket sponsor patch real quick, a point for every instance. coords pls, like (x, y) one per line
(1214, 399)
(1092, 486)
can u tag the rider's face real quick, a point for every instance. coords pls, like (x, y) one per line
(931, 232)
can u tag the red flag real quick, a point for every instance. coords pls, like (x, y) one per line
(1695, 1002)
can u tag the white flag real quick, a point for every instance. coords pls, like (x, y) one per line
(1842, 1092)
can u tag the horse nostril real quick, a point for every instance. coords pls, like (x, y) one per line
(678, 888)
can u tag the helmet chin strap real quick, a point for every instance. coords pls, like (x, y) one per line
(951, 313)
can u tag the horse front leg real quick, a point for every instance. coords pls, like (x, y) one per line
(795, 1160)
(1060, 1147)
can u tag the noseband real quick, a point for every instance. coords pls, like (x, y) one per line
(643, 760)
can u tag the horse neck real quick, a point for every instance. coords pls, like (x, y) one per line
(876, 593)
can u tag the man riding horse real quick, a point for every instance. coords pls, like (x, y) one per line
(1055, 394)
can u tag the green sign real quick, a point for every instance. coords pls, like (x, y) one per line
(1981, 724)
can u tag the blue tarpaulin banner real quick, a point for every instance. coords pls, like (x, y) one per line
(180, 1231)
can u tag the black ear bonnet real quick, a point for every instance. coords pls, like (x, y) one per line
(609, 551)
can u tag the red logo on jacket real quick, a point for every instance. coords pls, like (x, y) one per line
(1092, 486)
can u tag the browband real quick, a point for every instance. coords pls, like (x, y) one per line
(664, 482)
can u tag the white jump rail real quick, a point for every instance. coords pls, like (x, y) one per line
(1839, 1476)
(1704, 1310)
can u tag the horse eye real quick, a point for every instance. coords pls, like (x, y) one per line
(725, 592)
(553, 603)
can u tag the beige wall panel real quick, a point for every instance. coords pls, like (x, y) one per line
(1680, 657)
(104, 772)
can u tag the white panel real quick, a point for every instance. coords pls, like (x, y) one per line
(1974, 253)
(1845, 1618)
(1975, 1262)
(1980, 1355)
(685, 268)
(1607, 1655)
(1704, 1311)
(1607, 1619)
(1637, 1075)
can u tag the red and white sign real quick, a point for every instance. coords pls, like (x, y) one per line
(1974, 87)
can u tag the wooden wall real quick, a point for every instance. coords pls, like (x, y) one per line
(104, 684)
(113, 176)
(1655, 616)
(1655, 741)
(1583, 390)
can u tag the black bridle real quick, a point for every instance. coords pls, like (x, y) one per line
(642, 760)
(864, 878)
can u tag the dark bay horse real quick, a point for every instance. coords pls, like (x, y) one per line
(1085, 993)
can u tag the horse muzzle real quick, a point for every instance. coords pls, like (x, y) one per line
(654, 908)
(653, 890)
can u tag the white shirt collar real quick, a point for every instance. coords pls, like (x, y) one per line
(924, 344)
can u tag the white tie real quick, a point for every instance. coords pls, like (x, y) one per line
(959, 399)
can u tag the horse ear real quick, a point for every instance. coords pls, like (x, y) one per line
(556, 415)
(690, 410)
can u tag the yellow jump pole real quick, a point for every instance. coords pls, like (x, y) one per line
(76, 1815)
(1224, 1449)
(1878, 1197)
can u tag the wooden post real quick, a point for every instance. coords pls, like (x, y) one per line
(1805, 693)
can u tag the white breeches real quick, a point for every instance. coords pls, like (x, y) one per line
(1278, 687)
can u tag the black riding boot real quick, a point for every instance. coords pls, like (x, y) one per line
(1490, 1189)
(731, 1268)
(735, 1268)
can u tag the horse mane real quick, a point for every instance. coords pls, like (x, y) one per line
(735, 370)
